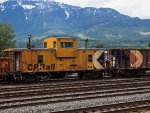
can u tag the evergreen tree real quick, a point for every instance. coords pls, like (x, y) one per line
(7, 36)
(98, 45)
(149, 45)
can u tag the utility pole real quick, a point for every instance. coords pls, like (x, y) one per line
(86, 42)
(29, 43)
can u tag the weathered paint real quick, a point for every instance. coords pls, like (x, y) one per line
(51, 63)
(136, 59)
(6, 65)
(97, 61)
(56, 59)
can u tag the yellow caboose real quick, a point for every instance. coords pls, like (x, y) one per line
(59, 55)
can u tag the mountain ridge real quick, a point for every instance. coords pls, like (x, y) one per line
(50, 17)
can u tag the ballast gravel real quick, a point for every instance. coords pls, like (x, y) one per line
(63, 106)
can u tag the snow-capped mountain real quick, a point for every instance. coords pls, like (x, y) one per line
(38, 16)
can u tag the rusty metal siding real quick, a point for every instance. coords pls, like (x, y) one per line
(146, 59)
(125, 59)
(6, 65)
(121, 58)
(130, 58)
(136, 59)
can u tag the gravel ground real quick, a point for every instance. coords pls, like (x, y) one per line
(78, 104)
(62, 106)
(70, 97)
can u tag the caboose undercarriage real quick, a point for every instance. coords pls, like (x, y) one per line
(18, 76)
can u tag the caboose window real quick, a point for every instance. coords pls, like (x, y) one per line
(40, 58)
(63, 44)
(89, 58)
(54, 44)
(66, 44)
(45, 44)
(70, 44)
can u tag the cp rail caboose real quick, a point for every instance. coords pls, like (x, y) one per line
(58, 57)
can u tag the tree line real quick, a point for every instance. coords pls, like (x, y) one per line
(8, 37)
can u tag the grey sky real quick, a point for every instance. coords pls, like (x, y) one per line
(133, 8)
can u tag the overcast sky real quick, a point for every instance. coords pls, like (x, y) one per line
(133, 8)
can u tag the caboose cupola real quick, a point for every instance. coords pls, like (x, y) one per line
(65, 47)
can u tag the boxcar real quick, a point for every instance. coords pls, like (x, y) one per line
(6, 66)
(130, 61)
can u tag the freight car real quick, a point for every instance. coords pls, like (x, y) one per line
(60, 56)
(129, 61)
(5, 66)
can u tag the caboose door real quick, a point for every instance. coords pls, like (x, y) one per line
(17, 61)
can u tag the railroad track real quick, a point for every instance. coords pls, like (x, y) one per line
(11, 87)
(70, 93)
(74, 81)
(19, 102)
(54, 90)
(114, 108)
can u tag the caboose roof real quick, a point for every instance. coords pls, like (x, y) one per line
(60, 37)
(92, 49)
(26, 49)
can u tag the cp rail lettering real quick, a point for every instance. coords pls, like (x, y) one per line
(41, 67)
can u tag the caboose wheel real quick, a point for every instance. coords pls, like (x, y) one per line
(57, 75)
(80, 75)
(17, 77)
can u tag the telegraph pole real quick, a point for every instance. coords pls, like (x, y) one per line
(86, 42)
(29, 43)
